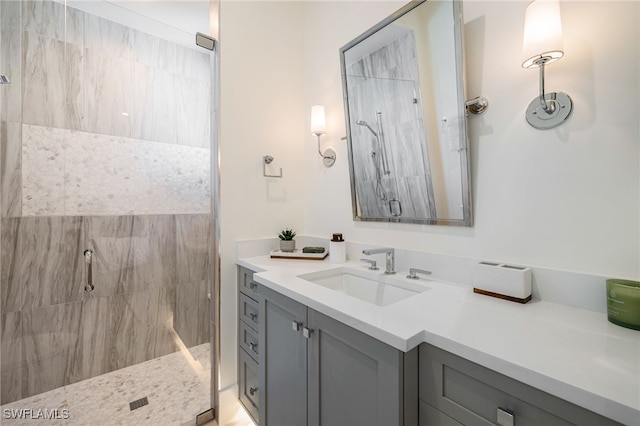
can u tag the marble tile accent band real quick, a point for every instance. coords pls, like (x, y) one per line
(71, 173)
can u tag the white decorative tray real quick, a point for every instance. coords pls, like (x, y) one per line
(298, 254)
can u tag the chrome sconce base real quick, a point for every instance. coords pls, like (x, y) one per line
(548, 110)
(556, 110)
(329, 155)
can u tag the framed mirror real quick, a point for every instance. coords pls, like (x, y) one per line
(403, 86)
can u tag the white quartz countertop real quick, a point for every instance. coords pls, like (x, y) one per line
(572, 353)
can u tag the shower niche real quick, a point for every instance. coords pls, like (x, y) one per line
(403, 86)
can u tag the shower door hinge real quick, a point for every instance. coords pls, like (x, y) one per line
(205, 416)
(205, 41)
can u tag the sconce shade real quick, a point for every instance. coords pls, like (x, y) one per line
(542, 33)
(318, 124)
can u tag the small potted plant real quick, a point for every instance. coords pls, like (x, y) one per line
(287, 242)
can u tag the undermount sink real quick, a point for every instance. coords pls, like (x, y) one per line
(374, 288)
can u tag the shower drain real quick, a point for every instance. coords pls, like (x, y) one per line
(138, 403)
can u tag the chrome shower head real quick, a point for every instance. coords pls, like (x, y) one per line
(364, 123)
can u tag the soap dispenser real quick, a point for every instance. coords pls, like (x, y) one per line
(337, 249)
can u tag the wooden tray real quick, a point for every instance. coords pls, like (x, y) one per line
(298, 254)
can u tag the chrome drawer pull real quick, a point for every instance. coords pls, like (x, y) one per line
(253, 285)
(253, 346)
(306, 332)
(505, 417)
(295, 325)
(252, 391)
(253, 316)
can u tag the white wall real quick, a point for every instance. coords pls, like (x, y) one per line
(566, 198)
(261, 112)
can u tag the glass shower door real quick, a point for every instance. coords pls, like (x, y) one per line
(105, 147)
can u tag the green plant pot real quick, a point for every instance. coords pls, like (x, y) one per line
(623, 303)
(287, 246)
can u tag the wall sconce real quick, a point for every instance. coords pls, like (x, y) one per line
(318, 127)
(542, 46)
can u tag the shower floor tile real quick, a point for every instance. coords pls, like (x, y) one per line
(176, 385)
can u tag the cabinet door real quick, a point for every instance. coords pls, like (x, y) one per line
(429, 416)
(248, 383)
(354, 379)
(283, 361)
(472, 395)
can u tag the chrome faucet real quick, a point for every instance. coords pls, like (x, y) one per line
(390, 266)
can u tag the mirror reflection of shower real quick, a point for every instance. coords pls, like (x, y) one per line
(378, 161)
(381, 164)
(391, 157)
(409, 71)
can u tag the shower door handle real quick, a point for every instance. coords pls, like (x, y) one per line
(88, 258)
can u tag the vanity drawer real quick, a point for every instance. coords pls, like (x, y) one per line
(248, 384)
(248, 340)
(429, 416)
(246, 283)
(249, 311)
(474, 395)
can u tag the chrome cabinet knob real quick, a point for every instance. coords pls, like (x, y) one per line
(306, 332)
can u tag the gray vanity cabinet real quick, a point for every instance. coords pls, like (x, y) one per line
(317, 371)
(298, 367)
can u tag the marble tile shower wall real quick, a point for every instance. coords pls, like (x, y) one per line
(386, 80)
(150, 276)
(104, 144)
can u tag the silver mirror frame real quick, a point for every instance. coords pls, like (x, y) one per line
(465, 157)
